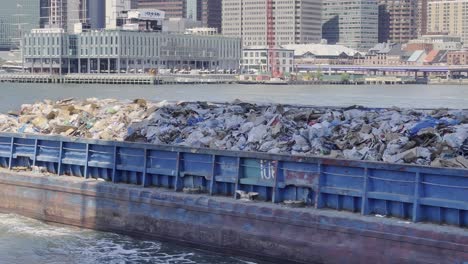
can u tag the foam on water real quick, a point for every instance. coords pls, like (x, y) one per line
(24, 240)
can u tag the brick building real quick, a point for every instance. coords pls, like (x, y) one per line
(457, 57)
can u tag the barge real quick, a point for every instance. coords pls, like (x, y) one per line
(282, 208)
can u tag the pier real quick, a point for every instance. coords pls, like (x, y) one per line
(140, 79)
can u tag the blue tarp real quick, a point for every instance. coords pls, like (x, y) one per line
(432, 122)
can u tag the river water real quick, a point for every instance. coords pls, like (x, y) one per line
(421, 96)
(24, 240)
(28, 241)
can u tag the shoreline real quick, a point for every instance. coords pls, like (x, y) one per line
(149, 79)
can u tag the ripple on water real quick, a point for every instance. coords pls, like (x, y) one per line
(24, 240)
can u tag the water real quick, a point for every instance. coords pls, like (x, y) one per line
(420, 96)
(24, 240)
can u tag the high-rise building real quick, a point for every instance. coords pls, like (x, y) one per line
(449, 16)
(192, 10)
(422, 17)
(17, 17)
(398, 20)
(96, 10)
(295, 21)
(211, 14)
(206, 11)
(352, 23)
(172, 8)
(66, 13)
(44, 13)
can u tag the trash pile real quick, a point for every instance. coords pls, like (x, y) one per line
(106, 119)
(427, 137)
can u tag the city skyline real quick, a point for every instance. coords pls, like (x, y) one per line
(398, 21)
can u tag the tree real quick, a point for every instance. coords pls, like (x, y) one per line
(319, 74)
(345, 77)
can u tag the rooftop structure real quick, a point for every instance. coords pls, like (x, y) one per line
(439, 42)
(202, 31)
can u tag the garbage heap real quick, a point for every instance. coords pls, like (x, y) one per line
(428, 137)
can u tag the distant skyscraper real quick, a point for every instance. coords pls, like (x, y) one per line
(17, 18)
(192, 10)
(398, 20)
(449, 16)
(66, 13)
(422, 17)
(296, 22)
(352, 23)
(44, 13)
(211, 14)
(96, 10)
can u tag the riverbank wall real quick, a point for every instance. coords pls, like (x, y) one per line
(348, 211)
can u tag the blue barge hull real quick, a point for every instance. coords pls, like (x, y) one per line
(137, 193)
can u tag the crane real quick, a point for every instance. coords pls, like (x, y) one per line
(271, 38)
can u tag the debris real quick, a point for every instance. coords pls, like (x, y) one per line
(195, 190)
(38, 169)
(246, 196)
(20, 168)
(427, 137)
(294, 203)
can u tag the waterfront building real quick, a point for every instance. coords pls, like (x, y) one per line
(449, 16)
(384, 54)
(436, 57)
(398, 21)
(260, 59)
(295, 22)
(457, 57)
(314, 54)
(115, 51)
(352, 23)
(16, 18)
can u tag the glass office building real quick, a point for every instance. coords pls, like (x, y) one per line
(17, 17)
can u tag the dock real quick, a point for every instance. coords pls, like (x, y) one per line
(139, 79)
